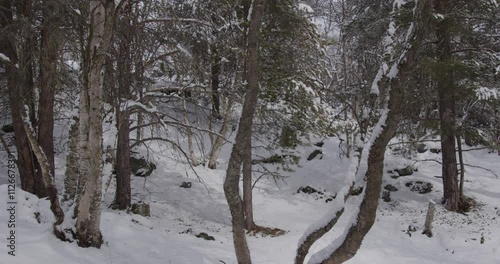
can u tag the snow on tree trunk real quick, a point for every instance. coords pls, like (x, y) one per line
(88, 210)
(48, 178)
(371, 165)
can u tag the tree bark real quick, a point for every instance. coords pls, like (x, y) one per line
(446, 93)
(16, 88)
(462, 166)
(72, 171)
(247, 187)
(215, 72)
(48, 178)
(374, 173)
(231, 183)
(219, 141)
(429, 219)
(88, 212)
(387, 128)
(48, 82)
(123, 189)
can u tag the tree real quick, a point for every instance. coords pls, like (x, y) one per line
(18, 64)
(124, 75)
(400, 54)
(243, 135)
(89, 211)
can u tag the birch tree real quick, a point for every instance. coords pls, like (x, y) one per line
(88, 208)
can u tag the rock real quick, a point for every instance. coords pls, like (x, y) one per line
(186, 185)
(308, 190)
(435, 150)
(141, 208)
(8, 128)
(419, 186)
(318, 195)
(141, 167)
(390, 188)
(205, 236)
(356, 191)
(315, 153)
(421, 148)
(386, 196)
(319, 144)
(408, 170)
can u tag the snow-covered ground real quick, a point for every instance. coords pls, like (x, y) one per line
(179, 214)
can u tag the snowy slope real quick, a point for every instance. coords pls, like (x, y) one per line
(178, 214)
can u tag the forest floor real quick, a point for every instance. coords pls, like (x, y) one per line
(179, 215)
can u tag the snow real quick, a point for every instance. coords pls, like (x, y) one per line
(4, 57)
(162, 238)
(485, 93)
(305, 8)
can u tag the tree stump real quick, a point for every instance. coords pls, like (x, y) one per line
(429, 218)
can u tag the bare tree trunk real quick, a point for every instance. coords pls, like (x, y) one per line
(48, 83)
(244, 134)
(446, 92)
(247, 186)
(48, 178)
(215, 72)
(89, 213)
(462, 166)
(219, 141)
(189, 132)
(16, 82)
(429, 219)
(72, 171)
(123, 189)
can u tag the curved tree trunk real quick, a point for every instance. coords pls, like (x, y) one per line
(383, 132)
(244, 134)
(374, 173)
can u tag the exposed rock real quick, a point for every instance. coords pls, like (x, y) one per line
(186, 185)
(319, 144)
(141, 167)
(8, 128)
(141, 208)
(317, 193)
(408, 170)
(435, 150)
(386, 196)
(315, 153)
(205, 236)
(356, 191)
(421, 148)
(308, 190)
(419, 186)
(390, 188)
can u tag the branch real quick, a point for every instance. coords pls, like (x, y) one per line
(172, 19)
